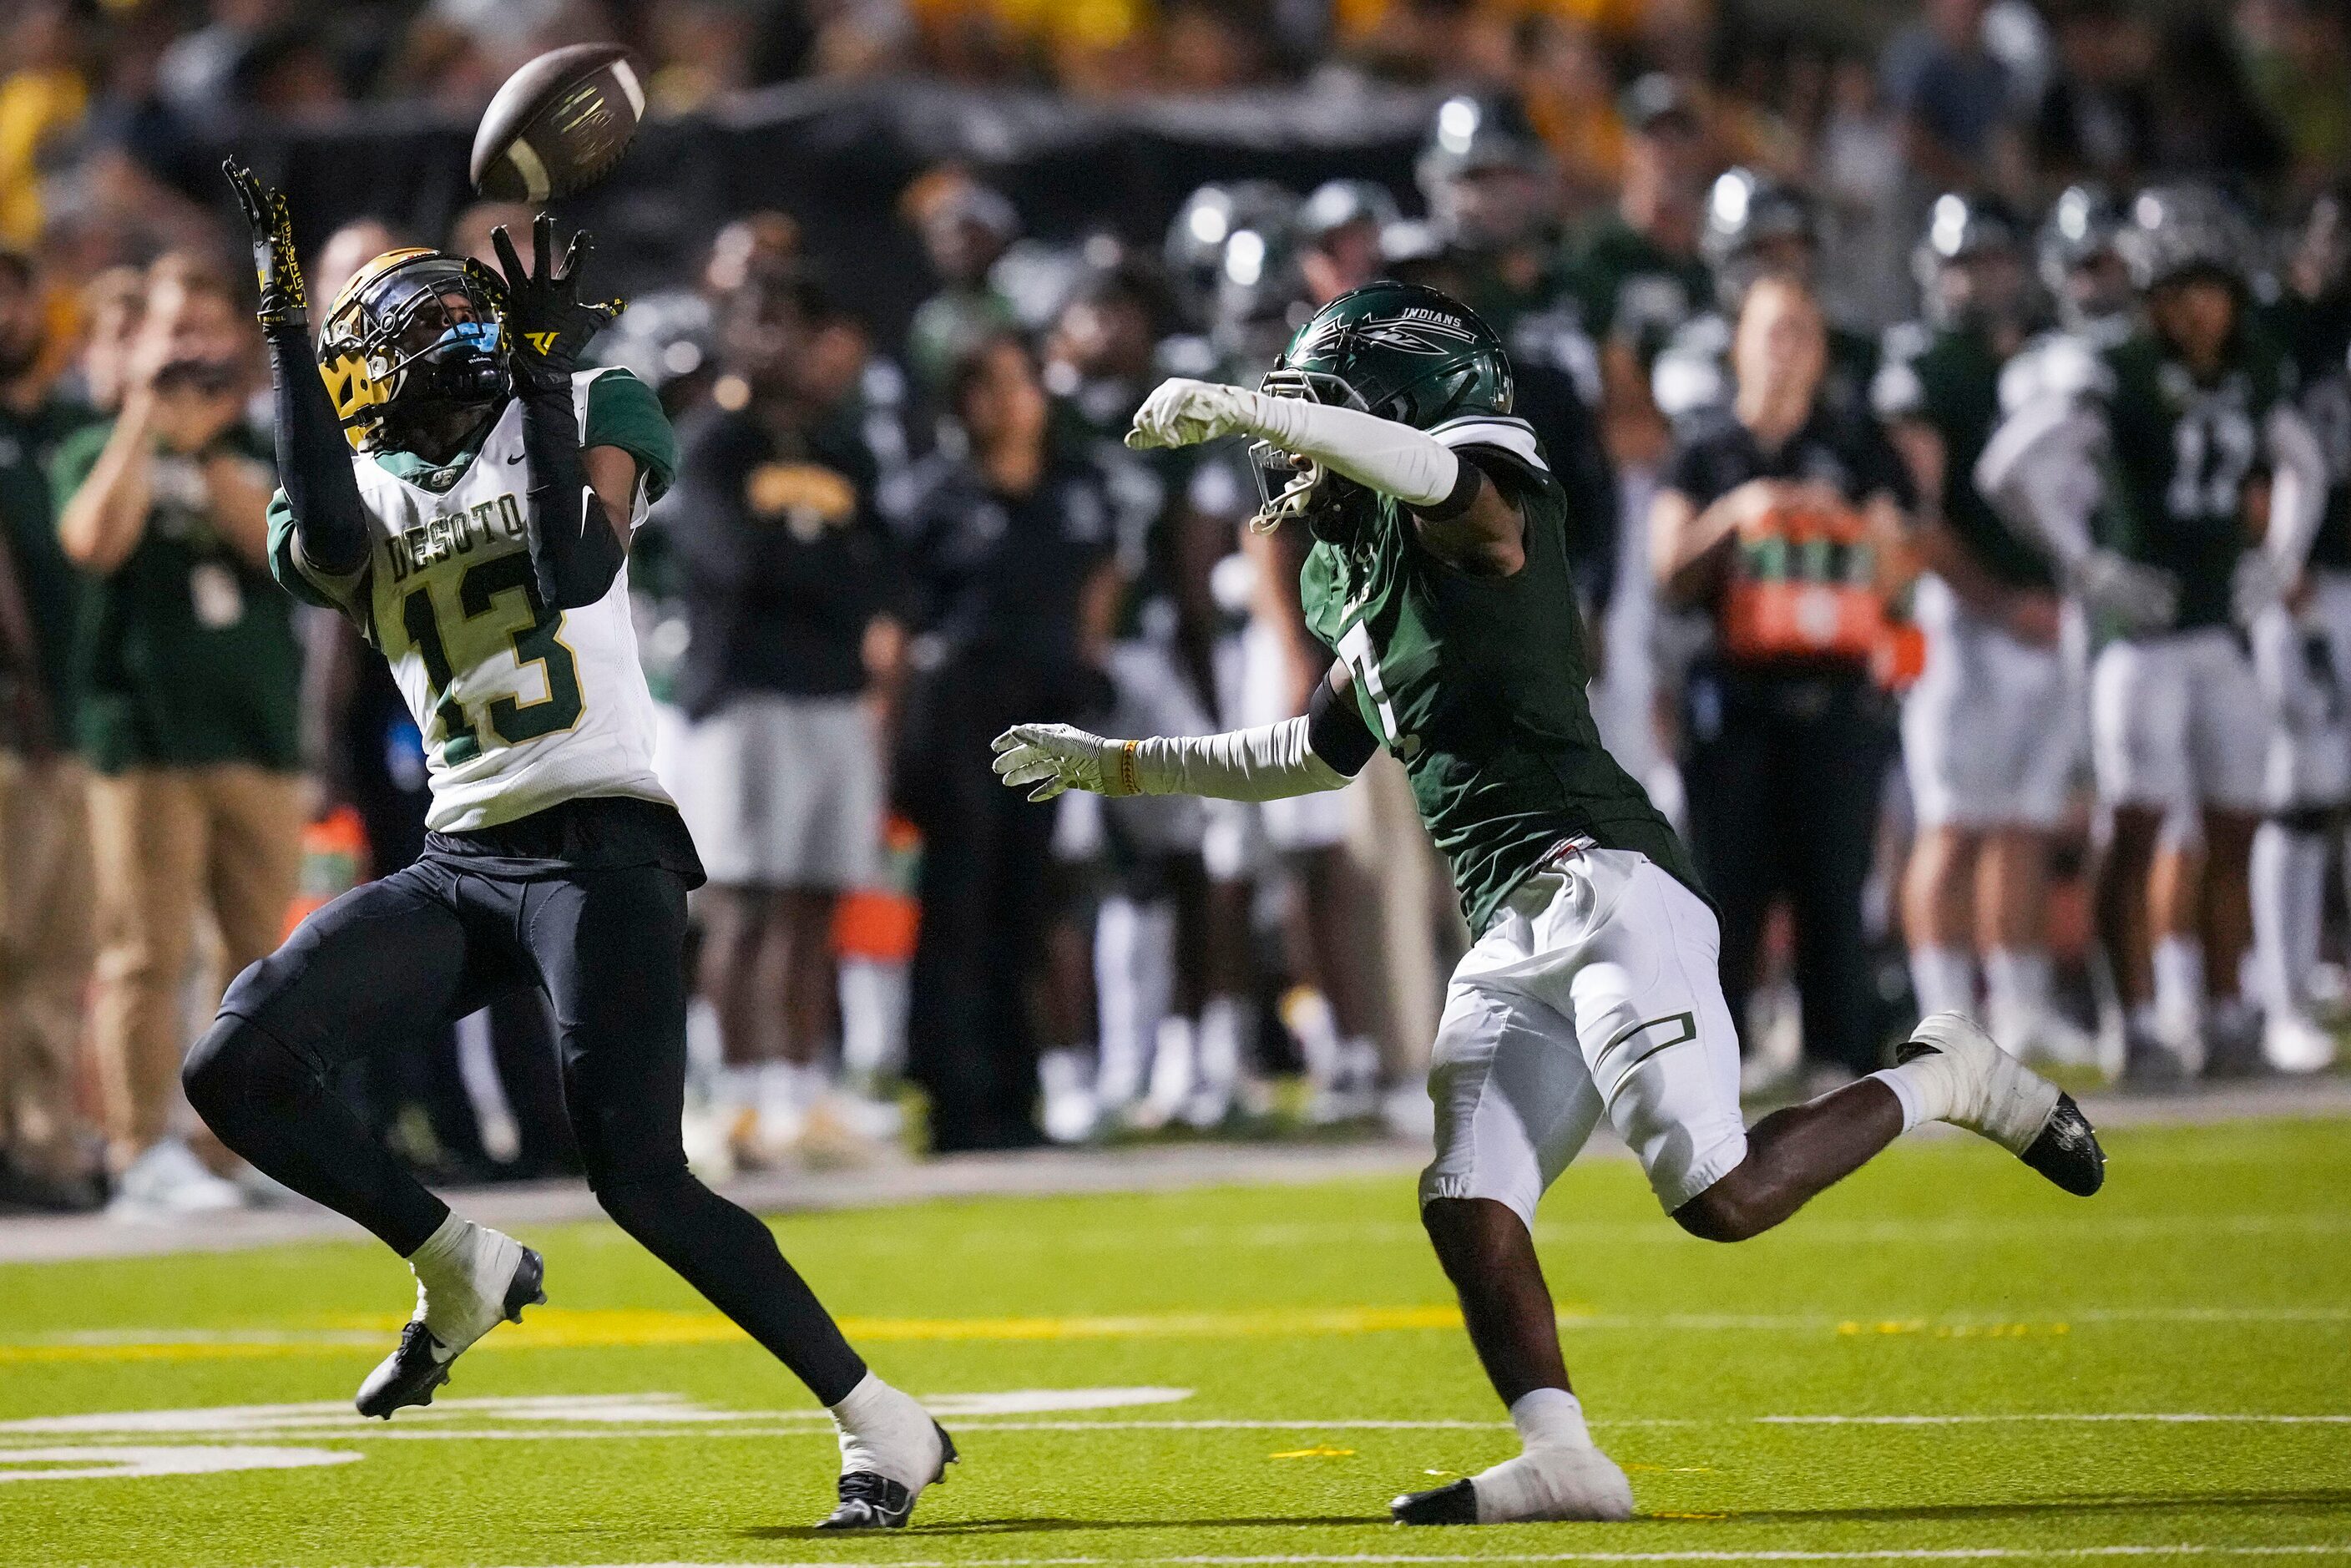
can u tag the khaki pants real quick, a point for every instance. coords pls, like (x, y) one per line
(163, 840)
(45, 959)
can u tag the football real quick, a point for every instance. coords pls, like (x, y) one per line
(559, 124)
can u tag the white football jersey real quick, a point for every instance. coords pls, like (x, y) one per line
(521, 707)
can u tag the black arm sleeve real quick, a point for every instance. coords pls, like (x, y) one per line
(314, 461)
(1335, 730)
(574, 552)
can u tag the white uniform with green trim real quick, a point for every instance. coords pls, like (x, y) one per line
(520, 707)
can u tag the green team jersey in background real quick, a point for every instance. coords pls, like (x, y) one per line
(2181, 455)
(52, 589)
(1949, 379)
(185, 653)
(1475, 684)
(1636, 291)
(2317, 333)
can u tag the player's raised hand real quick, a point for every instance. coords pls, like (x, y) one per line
(1181, 412)
(283, 300)
(1057, 756)
(547, 322)
(2138, 596)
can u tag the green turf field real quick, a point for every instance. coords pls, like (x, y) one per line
(1942, 1360)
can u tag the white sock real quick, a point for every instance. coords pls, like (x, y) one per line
(1306, 1012)
(2289, 888)
(1943, 979)
(2179, 978)
(462, 1273)
(736, 1087)
(2016, 982)
(1223, 1021)
(885, 1431)
(1924, 1085)
(1551, 1419)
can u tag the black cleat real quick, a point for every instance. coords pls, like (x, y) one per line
(1456, 1504)
(421, 1365)
(873, 1502)
(2067, 1150)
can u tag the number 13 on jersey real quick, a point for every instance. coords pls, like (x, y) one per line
(480, 591)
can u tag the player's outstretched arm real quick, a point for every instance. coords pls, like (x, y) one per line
(577, 545)
(314, 461)
(1321, 749)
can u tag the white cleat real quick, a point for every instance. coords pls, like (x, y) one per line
(1551, 1485)
(1995, 1095)
(2294, 1042)
(168, 1182)
(890, 1450)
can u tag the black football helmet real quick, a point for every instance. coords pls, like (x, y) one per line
(413, 331)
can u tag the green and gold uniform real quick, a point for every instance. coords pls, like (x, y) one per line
(1477, 684)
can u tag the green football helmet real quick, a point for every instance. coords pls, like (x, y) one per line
(1400, 350)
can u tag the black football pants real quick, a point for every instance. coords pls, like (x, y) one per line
(394, 960)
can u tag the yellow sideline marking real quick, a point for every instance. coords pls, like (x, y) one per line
(560, 1328)
(1319, 1451)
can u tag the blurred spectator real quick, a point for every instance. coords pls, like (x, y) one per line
(785, 575)
(1953, 96)
(1788, 737)
(42, 97)
(188, 712)
(45, 917)
(1858, 168)
(2299, 58)
(2209, 122)
(2096, 118)
(1013, 590)
(965, 228)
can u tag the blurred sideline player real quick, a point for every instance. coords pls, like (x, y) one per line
(476, 519)
(1439, 577)
(2140, 465)
(1990, 731)
(2302, 648)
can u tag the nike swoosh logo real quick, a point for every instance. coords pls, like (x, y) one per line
(514, 457)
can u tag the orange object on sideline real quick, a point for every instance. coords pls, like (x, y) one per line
(878, 924)
(1804, 584)
(334, 861)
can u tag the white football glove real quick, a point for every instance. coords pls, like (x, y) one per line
(2142, 597)
(1181, 412)
(1057, 756)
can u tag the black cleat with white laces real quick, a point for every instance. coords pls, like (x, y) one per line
(421, 1365)
(870, 1500)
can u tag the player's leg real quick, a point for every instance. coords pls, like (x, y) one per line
(2138, 741)
(2230, 746)
(376, 968)
(606, 947)
(1514, 1104)
(1950, 766)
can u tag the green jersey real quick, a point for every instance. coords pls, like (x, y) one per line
(2182, 454)
(1477, 684)
(185, 653)
(52, 589)
(1636, 291)
(2317, 333)
(1949, 379)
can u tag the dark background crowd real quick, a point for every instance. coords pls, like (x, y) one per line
(900, 270)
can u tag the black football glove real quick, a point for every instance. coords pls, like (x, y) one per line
(284, 300)
(547, 320)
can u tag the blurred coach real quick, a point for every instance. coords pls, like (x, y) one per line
(1783, 515)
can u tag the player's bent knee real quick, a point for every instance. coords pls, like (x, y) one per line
(1726, 1211)
(234, 1065)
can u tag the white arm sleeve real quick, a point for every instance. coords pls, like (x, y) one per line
(1394, 459)
(2297, 489)
(1270, 762)
(2040, 471)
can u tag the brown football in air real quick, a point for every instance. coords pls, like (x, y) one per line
(559, 124)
